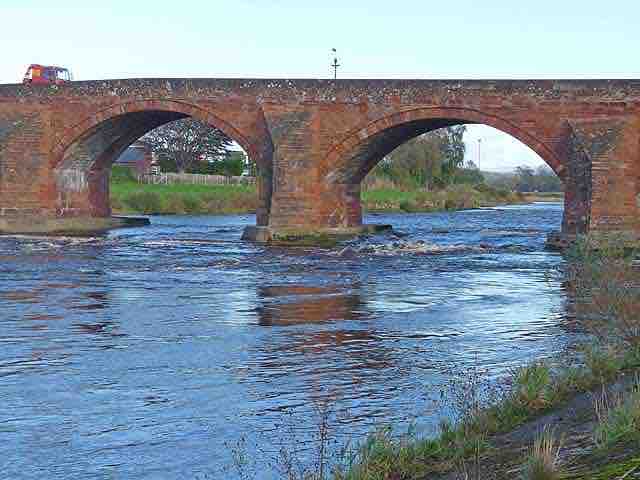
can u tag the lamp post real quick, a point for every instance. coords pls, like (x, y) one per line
(479, 152)
(335, 63)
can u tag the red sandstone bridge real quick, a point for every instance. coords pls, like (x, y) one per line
(313, 141)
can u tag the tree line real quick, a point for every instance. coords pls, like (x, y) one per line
(527, 179)
(435, 160)
(429, 161)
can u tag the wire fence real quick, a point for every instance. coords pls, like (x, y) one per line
(193, 179)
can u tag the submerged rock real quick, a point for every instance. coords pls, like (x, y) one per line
(348, 252)
(419, 247)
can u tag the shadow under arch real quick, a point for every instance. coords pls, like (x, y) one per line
(82, 156)
(349, 160)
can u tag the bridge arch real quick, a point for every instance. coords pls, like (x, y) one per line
(175, 109)
(82, 156)
(350, 159)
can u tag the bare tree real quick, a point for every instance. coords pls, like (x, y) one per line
(188, 141)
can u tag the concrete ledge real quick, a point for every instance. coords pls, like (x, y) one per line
(71, 226)
(309, 237)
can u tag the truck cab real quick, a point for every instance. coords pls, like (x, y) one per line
(46, 75)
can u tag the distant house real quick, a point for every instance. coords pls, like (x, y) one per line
(138, 156)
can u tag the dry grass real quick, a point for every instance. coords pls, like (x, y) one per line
(543, 459)
(607, 287)
(618, 416)
(308, 457)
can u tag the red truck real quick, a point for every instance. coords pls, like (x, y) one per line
(46, 75)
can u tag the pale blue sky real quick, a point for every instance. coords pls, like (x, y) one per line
(287, 38)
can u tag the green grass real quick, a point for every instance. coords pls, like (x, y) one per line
(128, 196)
(612, 471)
(454, 197)
(618, 418)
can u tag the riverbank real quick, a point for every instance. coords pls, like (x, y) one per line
(543, 196)
(454, 197)
(130, 197)
(554, 406)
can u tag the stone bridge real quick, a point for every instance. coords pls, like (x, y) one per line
(313, 141)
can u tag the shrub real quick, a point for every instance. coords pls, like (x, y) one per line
(117, 203)
(532, 385)
(603, 362)
(407, 206)
(191, 204)
(618, 417)
(607, 288)
(121, 174)
(173, 204)
(144, 202)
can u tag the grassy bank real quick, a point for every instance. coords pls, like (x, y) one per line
(543, 196)
(541, 405)
(455, 197)
(545, 422)
(129, 196)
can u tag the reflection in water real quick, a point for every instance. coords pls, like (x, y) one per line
(354, 353)
(119, 352)
(300, 304)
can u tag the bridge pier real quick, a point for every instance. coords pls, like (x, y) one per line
(323, 214)
(602, 181)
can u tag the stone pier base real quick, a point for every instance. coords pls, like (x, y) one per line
(561, 241)
(305, 237)
(72, 226)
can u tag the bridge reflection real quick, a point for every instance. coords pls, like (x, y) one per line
(300, 304)
(333, 309)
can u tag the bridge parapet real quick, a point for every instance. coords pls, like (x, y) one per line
(342, 91)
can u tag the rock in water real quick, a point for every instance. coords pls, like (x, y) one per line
(347, 252)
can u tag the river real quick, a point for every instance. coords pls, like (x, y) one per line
(147, 352)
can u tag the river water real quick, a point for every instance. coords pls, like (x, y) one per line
(147, 352)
